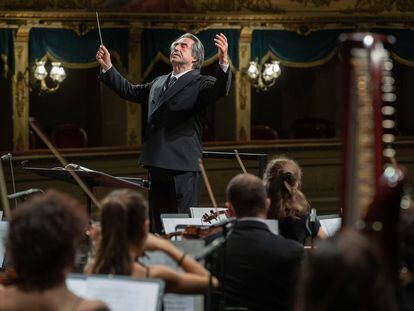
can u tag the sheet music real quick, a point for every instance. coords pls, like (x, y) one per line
(170, 224)
(331, 225)
(123, 295)
(4, 225)
(175, 302)
(77, 286)
(119, 293)
(273, 225)
(198, 212)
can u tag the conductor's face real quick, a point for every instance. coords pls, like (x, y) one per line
(181, 53)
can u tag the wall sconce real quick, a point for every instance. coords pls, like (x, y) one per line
(263, 79)
(38, 79)
(57, 75)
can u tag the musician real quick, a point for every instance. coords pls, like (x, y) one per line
(42, 239)
(124, 238)
(289, 206)
(260, 267)
(345, 273)
(172, 143)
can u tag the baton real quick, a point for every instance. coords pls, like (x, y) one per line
(99, 27)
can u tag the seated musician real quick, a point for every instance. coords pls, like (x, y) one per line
(345, 273)
(125, 236)
(260, 267)
(289, 206)
(43, 234)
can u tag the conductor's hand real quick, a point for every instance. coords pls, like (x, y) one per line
(222, 46)
(104, 58)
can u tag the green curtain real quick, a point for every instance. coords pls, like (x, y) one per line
(77, 51)
(155, 44)
(403, 48)
(7, 51)
(293, 49)
(316, 48)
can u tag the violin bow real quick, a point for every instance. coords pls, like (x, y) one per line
(64, 163)
(4, 198)
(208, 186)
(236, 153)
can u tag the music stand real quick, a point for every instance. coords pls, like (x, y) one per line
(92, 179)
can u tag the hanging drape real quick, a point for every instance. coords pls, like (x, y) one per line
(403, 48)
(77, 51)
(319, 46)
(293, 49)
(6, 51)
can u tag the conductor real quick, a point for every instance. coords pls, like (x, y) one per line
(172, 142)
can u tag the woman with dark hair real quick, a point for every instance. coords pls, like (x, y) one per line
(124, 237)
(41, 244)
(352, 268)
(289, 206)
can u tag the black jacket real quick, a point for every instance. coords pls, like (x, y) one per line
(260, 268)
(173, 137)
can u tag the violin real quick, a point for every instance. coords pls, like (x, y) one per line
(193, 232)
(214, 215)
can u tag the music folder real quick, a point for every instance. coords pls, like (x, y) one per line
(90, 177)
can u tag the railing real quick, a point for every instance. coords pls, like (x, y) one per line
(260, 157)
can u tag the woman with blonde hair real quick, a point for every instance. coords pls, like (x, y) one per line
(125, 236)
(289, 205)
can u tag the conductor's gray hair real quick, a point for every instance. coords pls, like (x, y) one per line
(197, 49)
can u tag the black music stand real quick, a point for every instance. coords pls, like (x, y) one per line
(91, 179)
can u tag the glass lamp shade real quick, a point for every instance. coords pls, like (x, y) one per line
(276, 68)
(57, 73)
(40, 72)
(268, 73)
(253, 70)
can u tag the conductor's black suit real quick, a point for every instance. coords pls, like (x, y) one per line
(172, 142)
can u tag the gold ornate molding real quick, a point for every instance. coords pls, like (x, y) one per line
(20, 90)
(196, 21)
(242, 86)
(380, 6)
(53, 4)
(234, 6)
(80, 28)
(133, 111)
(214, 6)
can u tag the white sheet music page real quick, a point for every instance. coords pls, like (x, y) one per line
(198, 212)
(171, 223)
(124, 295)
(77, 286)
(4, 225)
(173, 302)
(330, 225)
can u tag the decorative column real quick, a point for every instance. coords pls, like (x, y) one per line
(20, 89)
(243, 96)
(133, 118)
